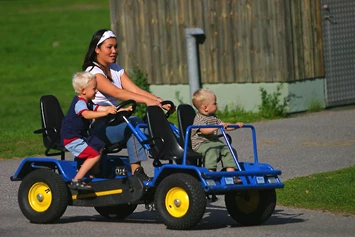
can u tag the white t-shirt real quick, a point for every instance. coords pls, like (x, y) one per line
(116, 73)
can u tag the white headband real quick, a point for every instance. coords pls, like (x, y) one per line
(105, 36)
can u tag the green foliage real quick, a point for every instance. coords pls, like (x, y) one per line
(331, 191)
(271, 105)
(315, 106)
(237, 114)
(173, 119)
(178, 97)
(139, 77)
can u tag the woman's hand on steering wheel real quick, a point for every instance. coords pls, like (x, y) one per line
(151, 102)
(169, 107)
(164, 104)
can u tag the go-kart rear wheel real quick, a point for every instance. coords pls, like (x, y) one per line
(251, 207)
(116, 212)
(43, 196)
(180, 201)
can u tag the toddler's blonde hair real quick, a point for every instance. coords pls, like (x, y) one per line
(81, 80)
(201, 96)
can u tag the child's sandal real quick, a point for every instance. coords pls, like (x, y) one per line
(79, 185)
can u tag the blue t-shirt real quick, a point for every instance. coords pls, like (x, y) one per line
(73, 124)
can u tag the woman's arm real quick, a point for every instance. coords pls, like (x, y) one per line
(129, 85)
(129, 91)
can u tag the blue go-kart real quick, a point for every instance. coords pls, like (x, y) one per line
(178, 190)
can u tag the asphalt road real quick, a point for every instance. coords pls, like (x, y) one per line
(298, 146)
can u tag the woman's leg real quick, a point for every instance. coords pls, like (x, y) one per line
(122, 133)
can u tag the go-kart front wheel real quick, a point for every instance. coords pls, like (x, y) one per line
(180, 201)
(116, 212)
(251, 207)
(43, 196)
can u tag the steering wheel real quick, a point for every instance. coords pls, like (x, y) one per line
(172, 107)
(114, 119)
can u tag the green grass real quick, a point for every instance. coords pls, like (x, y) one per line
(330, 191)
(43, 45)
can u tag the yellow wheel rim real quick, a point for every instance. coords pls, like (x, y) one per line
(177, 202)
(40, 197)
(250, 204)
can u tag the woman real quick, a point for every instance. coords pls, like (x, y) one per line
(114, 84)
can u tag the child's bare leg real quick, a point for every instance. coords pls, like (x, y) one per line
(85, 167)
(230, 169)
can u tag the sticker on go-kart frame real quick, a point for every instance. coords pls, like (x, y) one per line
(260, 180)
(229, 180)
(210, 182)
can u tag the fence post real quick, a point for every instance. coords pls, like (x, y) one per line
(194, 36)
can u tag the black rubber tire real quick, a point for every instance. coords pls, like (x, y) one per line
(251, 207)
(116, 212)
(180, 201)
(43, 196)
